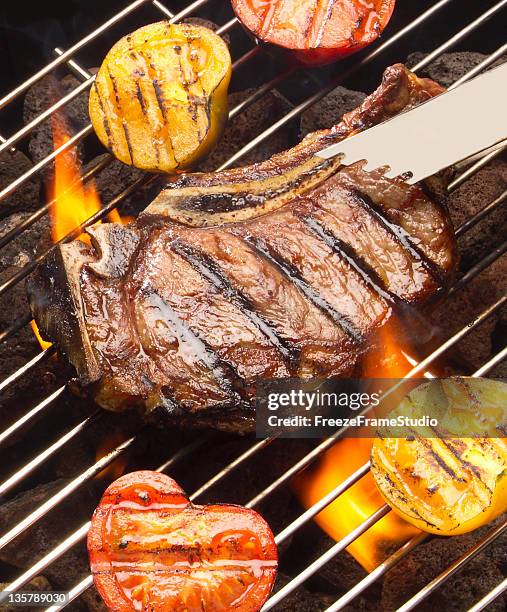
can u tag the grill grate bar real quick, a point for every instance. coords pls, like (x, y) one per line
(489, 208)
(479, 267)
(322, 503)
(89, 80)
(227, 26)
(163, 9)
(480, 67)
(327, 556)
(74, 67)
(490, 597)
(491, 363)
(74, 484)
(92, 172)
(41, 565)
(377, 573)
(455, 567)
(23, 178)
(423, 365)
(98, 216)
(29, 467)
(26, 418)
(84, 41)
(232, 466)
(81, 533)
(297, 110)
(25, 130)
(460, 35)
(390, 561)
(40, 357)
(74, 593)
(474, 271)
(14, 328)
(81, 587)
(38, 214)
(483, 161)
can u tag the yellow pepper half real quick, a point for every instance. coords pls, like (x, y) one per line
(452, 478)
(159, 101)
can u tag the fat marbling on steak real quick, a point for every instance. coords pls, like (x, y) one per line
(283, 268)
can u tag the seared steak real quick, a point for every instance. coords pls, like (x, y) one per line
(283, 268)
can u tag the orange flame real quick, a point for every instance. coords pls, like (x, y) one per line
(73, 201)
(108, 443)
(362, 499)
(44, 344)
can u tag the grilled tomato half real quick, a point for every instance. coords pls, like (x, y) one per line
(159, 101)
(315, 32)
(448, 478)
(151, 549)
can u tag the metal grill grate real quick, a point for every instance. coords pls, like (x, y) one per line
(68, 437)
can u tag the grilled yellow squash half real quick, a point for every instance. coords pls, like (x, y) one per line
(159, 101)
(451, 478)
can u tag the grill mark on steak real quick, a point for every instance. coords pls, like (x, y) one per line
(347, 253)
(326, 272)
(294, 276)
(400, 235)
(207, 268)
(223, 372)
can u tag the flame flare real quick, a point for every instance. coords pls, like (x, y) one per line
(362, 499)
(73, 201)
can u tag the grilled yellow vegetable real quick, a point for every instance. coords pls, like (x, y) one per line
(159, 101)
(452, 478)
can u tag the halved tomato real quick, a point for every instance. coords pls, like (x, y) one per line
(151, 549)
(315, 32)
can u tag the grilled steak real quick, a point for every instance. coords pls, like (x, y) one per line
(283, 268)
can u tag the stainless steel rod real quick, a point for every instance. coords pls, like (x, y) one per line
(479, 267)
(81, 533)
(490, 597)
(31, 125)
(459, 36)
(481, 214)
(32, 465)
(42, 564)
(478, 165)
(84, 41)
(43, 210)
(74, 593)
(480, 66)
(323, 559)
(253, 450)
(23, 178)
(26, 418)
(58, 497)
(322, 503)
(69, 53)
(98, 216)
(35, 361)
(491, 363)
(453, 568)
(377, 573)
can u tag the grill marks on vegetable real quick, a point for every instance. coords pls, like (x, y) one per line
(163, 81)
